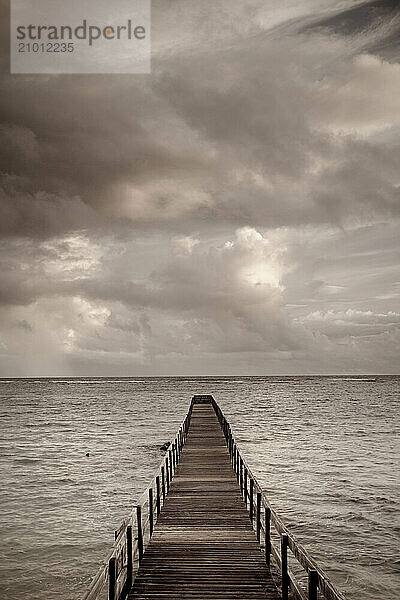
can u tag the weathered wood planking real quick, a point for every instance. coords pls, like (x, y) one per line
(204, 546)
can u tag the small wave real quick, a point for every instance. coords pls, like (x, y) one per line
(63, 481)
(353, 379)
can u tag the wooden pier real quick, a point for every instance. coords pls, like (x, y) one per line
(204, 529)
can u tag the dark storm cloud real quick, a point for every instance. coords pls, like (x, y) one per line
(230, 133)
(379, 19)
(361, 17)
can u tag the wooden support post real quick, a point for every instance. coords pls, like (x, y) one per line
(245, 486)
(170, 465)
(241, 476)
(163, 482)
(258, 516)
(139, 531)
(251, 499)
(112, 578)
(312, 584)
(234, 457)
(167, 472)
(151, 516)
(268, 536)
(129, 557)
(237, 464)
(158, 495)
(173, 456)
(284, 572)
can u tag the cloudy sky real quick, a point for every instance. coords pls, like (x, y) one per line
(235, 212)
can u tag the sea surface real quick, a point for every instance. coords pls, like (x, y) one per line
(325, 450)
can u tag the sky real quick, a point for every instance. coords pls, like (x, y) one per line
(235, 212)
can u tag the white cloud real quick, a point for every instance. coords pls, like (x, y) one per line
(362, 97)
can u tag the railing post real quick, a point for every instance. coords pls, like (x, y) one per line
(129, 557)
(163, 482)
(234, 457)
(112, 578)
(312, 584)
(284, 560)
(245, 486)
(167, 472)
(176, 452)
(139, 532)
(173, 456)
(170, 465)
(258, 516)
(158, 496)
(151, 517)
(186, 425)
(268, 536)
(251, 500)
(241, 476)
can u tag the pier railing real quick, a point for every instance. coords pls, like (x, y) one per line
(282, 546)
(115, 577)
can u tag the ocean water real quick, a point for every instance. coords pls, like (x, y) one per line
(325, 450)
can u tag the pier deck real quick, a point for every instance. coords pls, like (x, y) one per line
(204, 546)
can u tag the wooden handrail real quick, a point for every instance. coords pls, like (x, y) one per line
(120, 566)
(317, 579)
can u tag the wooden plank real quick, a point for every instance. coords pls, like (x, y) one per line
(203, 546)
